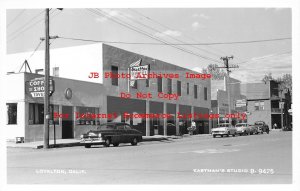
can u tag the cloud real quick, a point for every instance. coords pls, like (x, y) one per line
(196, 25)
(112, 13)
(203, 16)
(172, 33)
(256, 68)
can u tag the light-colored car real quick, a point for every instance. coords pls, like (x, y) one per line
(242, 129)
(223, 129)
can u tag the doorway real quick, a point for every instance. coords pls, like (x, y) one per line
(67, 123)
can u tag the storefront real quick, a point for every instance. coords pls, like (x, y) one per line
(78, 106)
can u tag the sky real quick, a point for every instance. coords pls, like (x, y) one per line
(24, 27)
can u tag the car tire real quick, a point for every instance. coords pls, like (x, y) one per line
(221, 135)
(234, 134)
(107, 142)
(134, 141)
(87, 146)
(116, 144)
(214, 136)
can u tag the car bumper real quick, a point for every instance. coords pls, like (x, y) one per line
(219, 132)
(92, 141)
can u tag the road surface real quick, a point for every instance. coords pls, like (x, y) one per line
(255, 159)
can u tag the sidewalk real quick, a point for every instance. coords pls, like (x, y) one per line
(76, 142)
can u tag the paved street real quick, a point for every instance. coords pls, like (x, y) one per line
(264, 159)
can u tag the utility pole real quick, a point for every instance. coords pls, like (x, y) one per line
(46, 82)
(226, 65)
(281, 104)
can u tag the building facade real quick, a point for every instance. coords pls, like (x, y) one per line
(220, 101)
(263, 103)
(84, 86)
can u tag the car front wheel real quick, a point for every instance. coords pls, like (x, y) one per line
(107, 142)
(134, 141)
(115, 144)
(87, 146)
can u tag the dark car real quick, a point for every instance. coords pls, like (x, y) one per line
(111, 133)
(262, 127)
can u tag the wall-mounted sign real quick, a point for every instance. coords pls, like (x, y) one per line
(36, 87)
(139, 72)
(68, 93)
(241, 103)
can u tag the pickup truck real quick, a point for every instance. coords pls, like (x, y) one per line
(262, 127)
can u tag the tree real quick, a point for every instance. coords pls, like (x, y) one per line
(217, 73)
(267, 77)
(285, 81)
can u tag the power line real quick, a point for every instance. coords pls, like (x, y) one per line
(164, 26)
(139, 43)
(28, 22)
(97, 12)
(16, 17)
(31, 25)
(169, 28)
(35, 49)
(121, 22)
(266, 57)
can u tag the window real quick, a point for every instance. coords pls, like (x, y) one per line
(39, 71)
(12, 112)
(187, 88)
(179, 88)
(147, 82)
(87, 115)
(169, 86)
(115, 71)
(259, 105)
(195, 91)
(56, 71)
(36, 113)
(205, 93)
(159, 85)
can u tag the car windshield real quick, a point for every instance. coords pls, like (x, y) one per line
(241, 125)
(105, 127)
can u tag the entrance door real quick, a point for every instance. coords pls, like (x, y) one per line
(67, 123)
(155, 124)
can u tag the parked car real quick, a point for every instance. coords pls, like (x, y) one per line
(262, 126)
(253, 129)
(242, 129)
(223, 129)
(111, 133)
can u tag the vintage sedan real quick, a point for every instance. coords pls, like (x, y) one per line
(242, 129)
(253, 129)
(262, 127)
(111, 133)
(223, 129)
